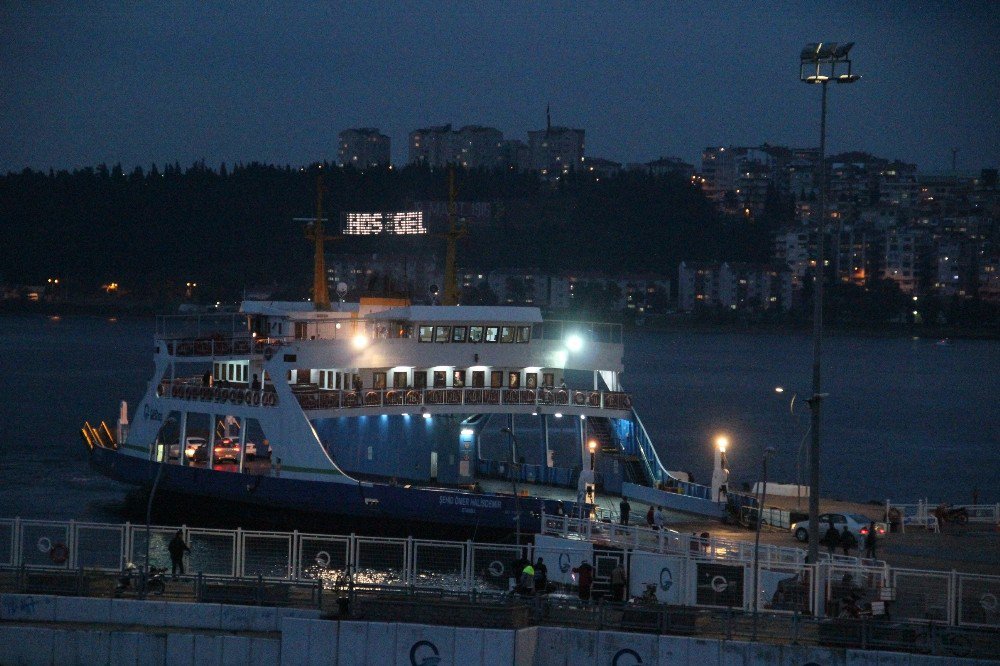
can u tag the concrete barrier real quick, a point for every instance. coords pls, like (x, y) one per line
(674, 650)
(27, 645)
(309, 642)
(416, 643)
(622, 649)
(31, 607)
(83, 609)
(525, 646)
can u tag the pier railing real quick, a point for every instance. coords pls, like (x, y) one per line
(703, 572)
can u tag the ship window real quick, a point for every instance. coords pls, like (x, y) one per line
(531, 380)
(458, 333)
(514, 379)
(229, 371)
(458, 378)
(523, 333)
(399, 379)
(442, 333)
(507, 334)
(478, 379)
(420, 379)
(378, 380)
(440, 379)
(475, 334)
(426, 334)
(496, 379)
(492, 333)
(291, 358)
(301, 332)
(548, 379)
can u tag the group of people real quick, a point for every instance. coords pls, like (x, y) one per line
(845, 539)
(532, 578)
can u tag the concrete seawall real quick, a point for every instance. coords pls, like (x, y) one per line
(70, 630)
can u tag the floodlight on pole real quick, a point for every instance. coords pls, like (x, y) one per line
(820, 62)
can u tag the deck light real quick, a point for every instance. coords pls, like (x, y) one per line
(360, 341)
(558, 415)
(574, 343)
(722, 442)
(592, 445)
(427, 415)
(468, 432)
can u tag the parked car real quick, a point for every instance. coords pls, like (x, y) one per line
(190, 445)
(856, 523)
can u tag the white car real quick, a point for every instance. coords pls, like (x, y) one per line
(855, 522)
(191, 445)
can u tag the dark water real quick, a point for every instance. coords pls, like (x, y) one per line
(905, 418)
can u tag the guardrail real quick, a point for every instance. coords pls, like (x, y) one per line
(416, 398)
(657, 472)
(227, 392)
(62, 557)
(930, 516)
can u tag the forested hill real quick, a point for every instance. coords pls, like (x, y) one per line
(232, 228)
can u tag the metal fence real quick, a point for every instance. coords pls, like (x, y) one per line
(922, 513)
(712, 573)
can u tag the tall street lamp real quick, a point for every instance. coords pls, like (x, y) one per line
(820, 63)
(513, 477)
(756, 543)
(592, 447)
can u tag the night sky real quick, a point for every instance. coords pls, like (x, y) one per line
(275, 82)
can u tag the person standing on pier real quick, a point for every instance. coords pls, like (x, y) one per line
(177, 548)
(585, 580)
(871, 541)
(624, 509)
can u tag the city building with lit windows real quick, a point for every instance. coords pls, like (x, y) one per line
(556, 150)
(363, 147)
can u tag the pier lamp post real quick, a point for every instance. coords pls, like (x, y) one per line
(820, 63)
(513, 477)
(756, 543)
(720, 470)
(592, 447)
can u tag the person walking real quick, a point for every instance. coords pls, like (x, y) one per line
(649, 516)
(661, 518)
(624, 509)
(871, 541)
(585, 579)
(177, 548)
(618, 582)
(848, 541)
(831, 539)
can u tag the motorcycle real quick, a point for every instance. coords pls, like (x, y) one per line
(130, 579)
(948, 514)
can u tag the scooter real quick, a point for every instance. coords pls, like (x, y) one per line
(155, 581)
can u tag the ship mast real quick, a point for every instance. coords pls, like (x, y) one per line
(451, 292)
(321, 292)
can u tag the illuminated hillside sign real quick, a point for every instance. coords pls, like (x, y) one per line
(370, 224)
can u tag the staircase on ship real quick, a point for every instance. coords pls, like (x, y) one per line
(633, 469)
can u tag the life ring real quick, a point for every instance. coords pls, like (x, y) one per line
(562, 397)
(224, 395)
(390, 397)
(413, 397)
(579, 398)
(594, 400)
(371, 398)
(256, 399)
(236, 396)
(59, 553)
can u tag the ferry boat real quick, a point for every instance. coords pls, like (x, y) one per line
(470, 416)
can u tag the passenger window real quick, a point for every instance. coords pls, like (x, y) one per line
(440, 379)
(379, 380)
(475, 334)
(426, 334)
(478, 379)
(507, 334)
(458, 378)
(514, 379)
(523, 333)
(496, 379)
(419, 379)
(442, 333)
(492, 333)
(458, 333)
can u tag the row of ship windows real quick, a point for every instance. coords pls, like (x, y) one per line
(474, 334)
(329, 379)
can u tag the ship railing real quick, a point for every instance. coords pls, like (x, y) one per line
(315, 398)
(234, 393)
(219, 345)
(662, 478)
(181, 326)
